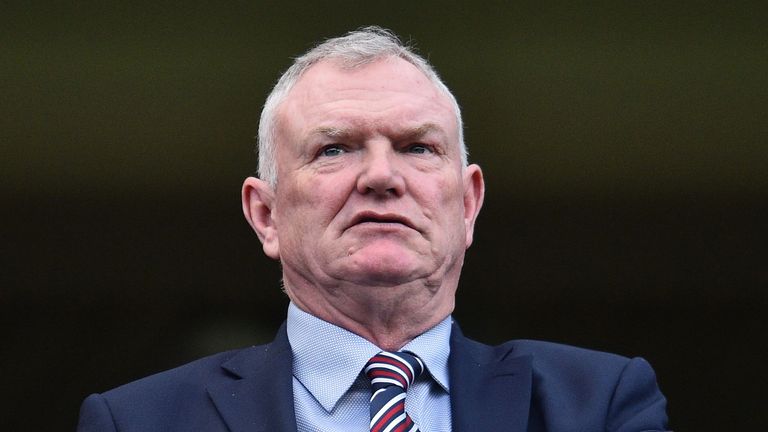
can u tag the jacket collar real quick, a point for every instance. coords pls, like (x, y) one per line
(260, 399)
(491, 386)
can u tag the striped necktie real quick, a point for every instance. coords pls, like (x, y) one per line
(391, 374)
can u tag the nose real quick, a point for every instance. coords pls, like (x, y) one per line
(380, 174)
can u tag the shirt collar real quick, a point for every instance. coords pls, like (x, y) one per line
(327, 359)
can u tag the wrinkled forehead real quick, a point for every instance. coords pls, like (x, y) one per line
(331, 85)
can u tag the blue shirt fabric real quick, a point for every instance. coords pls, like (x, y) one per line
(330, 392)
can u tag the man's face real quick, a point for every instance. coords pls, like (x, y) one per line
(371, 189)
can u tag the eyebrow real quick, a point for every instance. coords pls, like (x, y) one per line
(331, 132)
(422, 130)
(409, 133)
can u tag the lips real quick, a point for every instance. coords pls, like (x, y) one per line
(384, 218)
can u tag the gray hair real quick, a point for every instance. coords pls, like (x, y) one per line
(353, 50)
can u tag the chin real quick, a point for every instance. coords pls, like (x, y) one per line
(385, 270)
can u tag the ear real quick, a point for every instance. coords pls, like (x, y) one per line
(258, 202)
(474, 192)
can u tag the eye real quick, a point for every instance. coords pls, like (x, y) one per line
(420, 149)
(332, 150)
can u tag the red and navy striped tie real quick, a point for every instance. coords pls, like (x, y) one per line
(391, 374)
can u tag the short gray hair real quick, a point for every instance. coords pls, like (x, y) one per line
(355, 49)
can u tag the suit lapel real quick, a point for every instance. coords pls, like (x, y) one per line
(490, 387)
(260, 395)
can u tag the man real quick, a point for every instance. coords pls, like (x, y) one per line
(366, 199)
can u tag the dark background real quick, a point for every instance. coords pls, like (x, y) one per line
(624, 148)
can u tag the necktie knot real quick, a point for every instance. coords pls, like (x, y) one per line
(398, 368)
(391, 374)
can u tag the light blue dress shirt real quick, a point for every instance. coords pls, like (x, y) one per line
(330, 392)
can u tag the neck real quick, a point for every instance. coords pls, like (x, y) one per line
(387, 316)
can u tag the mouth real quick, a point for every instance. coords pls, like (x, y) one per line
(380, 218)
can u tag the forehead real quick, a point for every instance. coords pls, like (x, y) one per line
(387, 93)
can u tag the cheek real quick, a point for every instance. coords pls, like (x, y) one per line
(442, 201)
(309, 205)
(453, 207)
(450, 193)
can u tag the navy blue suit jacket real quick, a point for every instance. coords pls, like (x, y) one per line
(517, 386)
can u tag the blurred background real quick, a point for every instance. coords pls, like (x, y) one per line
(624, 149)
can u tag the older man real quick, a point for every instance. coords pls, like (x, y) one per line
(366, 198)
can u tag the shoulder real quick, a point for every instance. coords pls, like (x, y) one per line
(581, 369)
(185, 398)
(620, 391)
(185, 378)
(154, 403)
(194, 377)
(575, 388)
(550, 357)
(546, 357)
(565, 369)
